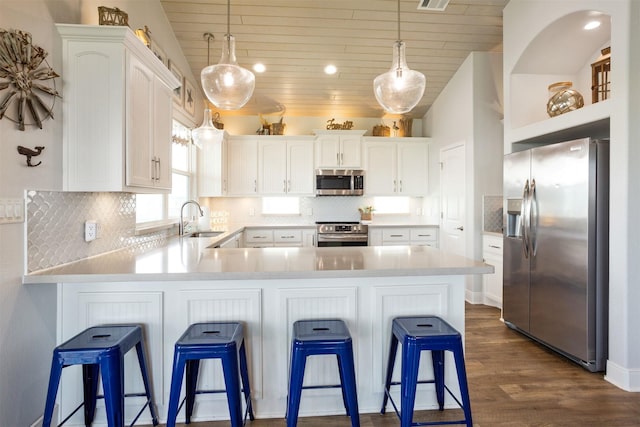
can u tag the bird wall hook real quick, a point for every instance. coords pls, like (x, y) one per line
(30, 153)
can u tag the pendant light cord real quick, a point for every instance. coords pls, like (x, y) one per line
(398, 20)
(228, 17)
(208, 36)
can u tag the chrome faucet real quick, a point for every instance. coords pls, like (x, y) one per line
(182, 223)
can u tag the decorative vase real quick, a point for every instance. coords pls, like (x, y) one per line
(365, 216)
(563, 99)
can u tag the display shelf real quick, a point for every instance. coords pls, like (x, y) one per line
(591, 120)
(563, 51)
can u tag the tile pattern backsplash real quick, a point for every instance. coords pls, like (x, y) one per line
(492, 214)
(55, 226)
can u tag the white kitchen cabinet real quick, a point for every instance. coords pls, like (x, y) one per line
(258, 238)
(279, 237)
(119, 137)
(492, 251)
(287, 237)
(285, 166)
(338, 149)
(396, 167)
(212, 168)
(242, 166)
(400, 236)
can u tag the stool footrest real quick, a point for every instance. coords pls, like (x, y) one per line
(308, 387)
(427, 423)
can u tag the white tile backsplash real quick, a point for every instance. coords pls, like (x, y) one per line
(492, 214)
(55, 226)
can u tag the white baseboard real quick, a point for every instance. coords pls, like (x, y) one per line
(38, 422)
(624, 378)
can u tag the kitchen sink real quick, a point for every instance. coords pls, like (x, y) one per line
(206, 234)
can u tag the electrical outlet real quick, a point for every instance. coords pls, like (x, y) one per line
(90, 230)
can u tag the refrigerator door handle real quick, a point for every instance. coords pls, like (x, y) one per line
(533, 219)
(524, 215)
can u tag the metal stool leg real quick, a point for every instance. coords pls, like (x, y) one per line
(393, 349)
(231, 372)
(437, 357)
(348, 381)
(462, 381)
(142, 361)
(244, 373)
(176, 385)
(298, 362)
(410, 364)
(113, 385)
(90, 374)
(191, 381)
(54, 382)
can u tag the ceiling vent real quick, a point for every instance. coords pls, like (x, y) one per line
(433, 5)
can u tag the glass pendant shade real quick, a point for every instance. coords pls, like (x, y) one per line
(399, 89)
(227, 85)
(207, 132)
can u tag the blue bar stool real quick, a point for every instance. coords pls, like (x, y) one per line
(313, 337)
(101, 350)
(211, 340)
(417, 334)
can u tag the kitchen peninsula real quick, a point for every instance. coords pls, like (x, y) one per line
(187, 281)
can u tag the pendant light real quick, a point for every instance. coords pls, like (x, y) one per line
(399, 89)
(207, 132)
(227, 85)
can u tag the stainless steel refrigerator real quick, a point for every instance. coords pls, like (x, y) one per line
(556, 247)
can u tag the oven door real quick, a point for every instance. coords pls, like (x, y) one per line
(338, 239)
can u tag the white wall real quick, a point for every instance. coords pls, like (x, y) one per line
(468, 111)
(27, 313)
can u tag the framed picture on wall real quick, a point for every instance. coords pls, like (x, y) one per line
(178, 93)
(189, 97)
(159, 52)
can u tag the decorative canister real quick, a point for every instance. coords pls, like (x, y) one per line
(563, 99)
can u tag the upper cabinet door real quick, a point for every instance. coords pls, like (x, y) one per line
(328, 151)
(242, 167)
(117, 112)
(380, 178)
(272, 166)
(350, 152)
(339, 149)
(300, 171)
(412, 173)
(141, 161)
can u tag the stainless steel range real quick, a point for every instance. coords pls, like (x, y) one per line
(342, 234)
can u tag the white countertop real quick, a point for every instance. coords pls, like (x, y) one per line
(190, 258)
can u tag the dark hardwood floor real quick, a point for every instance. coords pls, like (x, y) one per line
(513, 382)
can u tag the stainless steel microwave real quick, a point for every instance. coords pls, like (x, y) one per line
(339, 182)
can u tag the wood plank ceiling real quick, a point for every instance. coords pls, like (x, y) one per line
(295, 40)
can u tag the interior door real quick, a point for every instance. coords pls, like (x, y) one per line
(453, 193)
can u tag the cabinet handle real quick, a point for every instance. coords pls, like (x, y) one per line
(495, 247)
(395, 187)
(395, 235)
(400, 186)
(338, 158)
(424, 235)
(255, 185)
(287, 237)
(284, 185)
(158, 176)
(153, 168)
(288, 186)
(342, 158)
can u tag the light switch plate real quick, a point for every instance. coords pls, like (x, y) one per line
(11, 210)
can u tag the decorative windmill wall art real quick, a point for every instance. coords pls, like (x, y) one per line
(27, 82)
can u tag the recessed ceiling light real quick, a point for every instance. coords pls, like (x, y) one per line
(330, 69)
(592, 25)
(259, 68)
